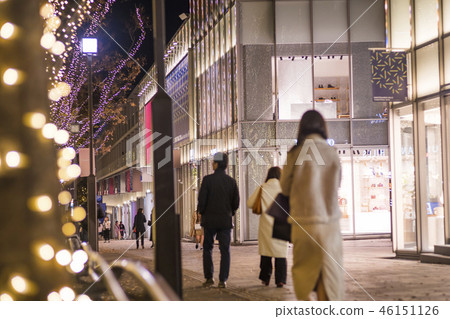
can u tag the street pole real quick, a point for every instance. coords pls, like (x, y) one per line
(167, 243)
(91, 196)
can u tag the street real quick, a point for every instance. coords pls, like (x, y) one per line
(373, 272)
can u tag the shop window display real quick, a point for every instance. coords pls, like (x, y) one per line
(345, 193)
(371, 191)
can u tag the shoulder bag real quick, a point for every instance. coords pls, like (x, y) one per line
(257, 207)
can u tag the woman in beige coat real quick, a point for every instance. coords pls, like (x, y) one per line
(196, 229)
(270, 247)
(311, 179)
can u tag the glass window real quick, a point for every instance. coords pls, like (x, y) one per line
(330, 21)
(345, 193)
(446, 15)
(294, 86)
(447, 59)
(427, 70)
(369, 16)
(433, 220)
(371, 191)
(404, 202)
(400, 24)
(426, 13)
(292, 20)
(331, 86)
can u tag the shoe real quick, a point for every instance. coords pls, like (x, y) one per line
(208, 283)
(265, 283)
(142, 247)
(196, 246)
(280, 284)
(331, 87)
(222, 284)
(137, 247)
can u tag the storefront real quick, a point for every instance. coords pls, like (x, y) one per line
(419, 127)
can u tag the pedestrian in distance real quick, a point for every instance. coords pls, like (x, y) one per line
(100, 230)
(311, 179)
(218, 201)
(106, 229)
(270, 247)
(139, 226)
(150, 235)
(116, 230)
(122, 230)
(196, 229)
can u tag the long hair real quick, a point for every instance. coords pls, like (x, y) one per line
(140, 211)
(274, 172)
(311, 123)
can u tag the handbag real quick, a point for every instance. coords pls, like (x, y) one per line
(197, 227)
(279, 210)
(257, 207)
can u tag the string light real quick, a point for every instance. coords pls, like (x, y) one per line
(79, 213)
(54, 296)
(34, 120)
(68, 153)
(74, 171)
(67, 294)
(83, 298)
(12, 159)
(19, 284)
(68, 229)
(47, 10)
(49, 130)
(5, 296)
(61, 137)
(46, 252)
(41, 204)
(64, 197)
(63, 257)
(48, 40)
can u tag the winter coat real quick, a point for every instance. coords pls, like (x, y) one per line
(268, 246)
(218, 200)
(139, 222)
(311, 179)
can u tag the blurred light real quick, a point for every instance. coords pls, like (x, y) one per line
(49, 130)
(34, 120)
(62, 137)
(69, 153)
(68, 229)
(54, 94)
(83, 298)
(7, 30)
(79, 213)
(63, 257)
(47, 10)
(5, 296)
(46, 252)
(63, 175)
(74, 171)
(19, 284)
(44, 203)
(76, 267)
(80, 256)
(64, 197)
(89, 45)
(48, 40)
(67, 294)
(54, 23)
(63, 163)
(64, 88)
(54, 296)
(12, 159)
(58, 48)
(11, 76)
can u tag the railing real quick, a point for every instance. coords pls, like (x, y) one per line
(99, 269)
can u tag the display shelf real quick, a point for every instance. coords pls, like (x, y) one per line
(338, 88)
(324, 100)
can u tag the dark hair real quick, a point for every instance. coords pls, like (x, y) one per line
(274, 172)
(311, 123)
(221, 159)
(140, 210)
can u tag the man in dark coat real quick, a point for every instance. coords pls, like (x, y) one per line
(218, 201)
(139, 226)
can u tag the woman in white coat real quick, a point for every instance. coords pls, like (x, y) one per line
(311, 179)
(270, 247)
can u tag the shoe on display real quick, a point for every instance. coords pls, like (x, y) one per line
(222, 284)
(331, 87)
(208, 283)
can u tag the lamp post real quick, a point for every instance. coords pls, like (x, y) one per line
(89, 48)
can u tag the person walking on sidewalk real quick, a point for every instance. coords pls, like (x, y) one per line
(270, 247)
(122, 230)
(196, 229)
(139, 226)
(311, 179)
(218, 201)
(116, 230)
(106, 229)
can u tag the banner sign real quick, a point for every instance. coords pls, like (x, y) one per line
(389, 76)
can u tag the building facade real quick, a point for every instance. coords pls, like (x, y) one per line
(420, 126)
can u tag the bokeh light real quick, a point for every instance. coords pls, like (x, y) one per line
(49, 130)
(69, 229)
(63, 257)
(11, 76)
(79, 213)
(64, 197)
(46, 252)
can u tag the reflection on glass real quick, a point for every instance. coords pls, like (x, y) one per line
(404, 179)
(434, 219)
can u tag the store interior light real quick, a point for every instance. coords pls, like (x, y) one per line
(89, 45)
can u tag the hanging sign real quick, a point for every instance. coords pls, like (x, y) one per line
(389, 76)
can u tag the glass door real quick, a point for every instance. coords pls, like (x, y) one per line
(404, 201)
(433, 217)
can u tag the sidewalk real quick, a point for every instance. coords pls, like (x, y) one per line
(373, 272)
